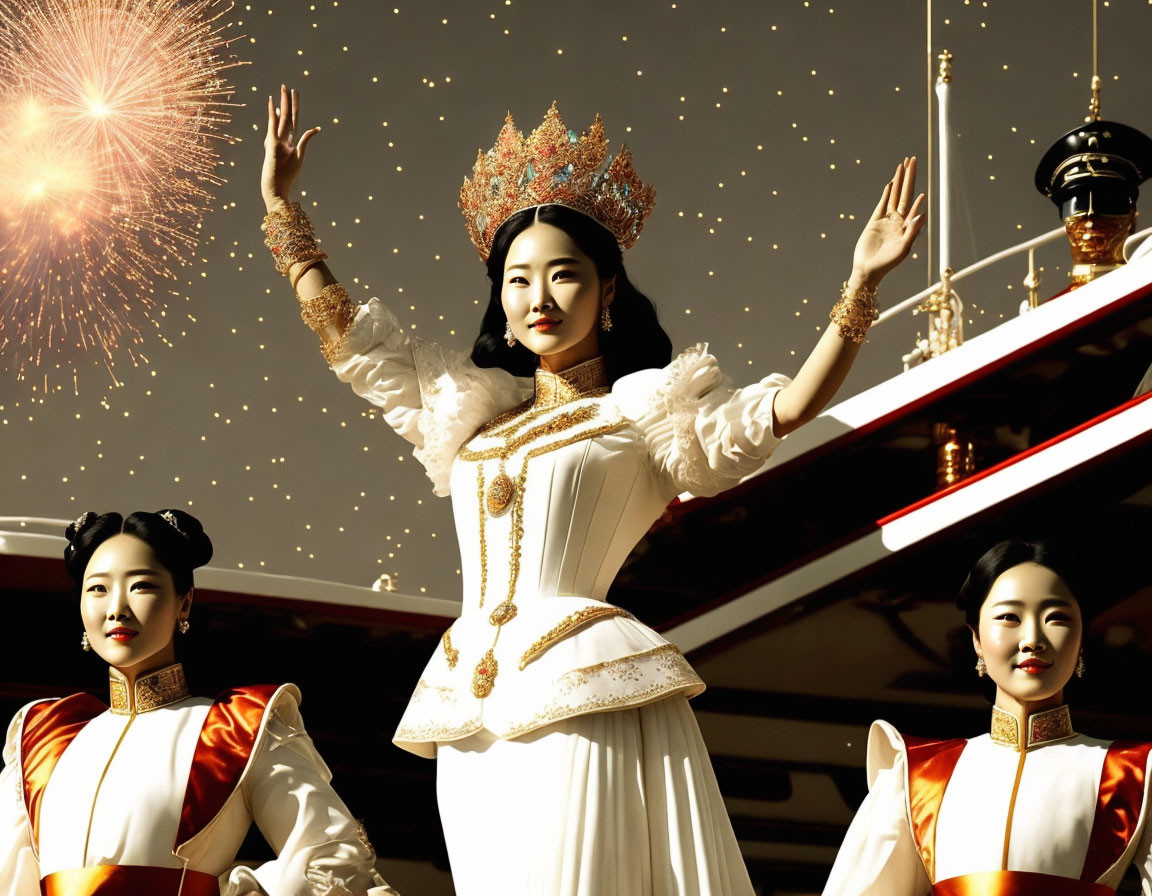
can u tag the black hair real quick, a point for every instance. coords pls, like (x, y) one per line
(176, 538)
(1001, 557)
(636, 340)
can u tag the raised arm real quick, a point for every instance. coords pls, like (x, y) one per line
(290, 232)
(430, 395)
(886, 241)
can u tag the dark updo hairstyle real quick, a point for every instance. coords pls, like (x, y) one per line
(176, 538)
(636, 340)
(1000, 558)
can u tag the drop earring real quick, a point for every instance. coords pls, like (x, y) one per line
(85, 645)
(508, 337)
(182, 626)
(1080, 666)
(981, 667)
(605, 320)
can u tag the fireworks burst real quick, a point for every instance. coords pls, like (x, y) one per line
(111, 111)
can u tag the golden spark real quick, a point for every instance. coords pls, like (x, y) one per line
(112, 110)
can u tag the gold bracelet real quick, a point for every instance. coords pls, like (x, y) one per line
(291, 238)
(332, 308)
(855, 312)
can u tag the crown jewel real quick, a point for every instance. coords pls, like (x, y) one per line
(554, 167)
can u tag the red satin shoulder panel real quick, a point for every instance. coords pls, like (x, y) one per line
(222, 754)
(1018, 883)
(1118, 804)
(129, 880)
(48, 728)
(930, 767)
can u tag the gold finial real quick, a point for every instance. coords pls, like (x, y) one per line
(944, 76)
(1094, 105)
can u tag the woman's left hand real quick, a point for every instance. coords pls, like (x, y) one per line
(888, 236)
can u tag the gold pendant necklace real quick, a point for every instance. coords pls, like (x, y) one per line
(504, 493)
(500, 493)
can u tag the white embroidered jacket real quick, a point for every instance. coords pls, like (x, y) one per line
(589, 476)
(116, 793)
(998, 813)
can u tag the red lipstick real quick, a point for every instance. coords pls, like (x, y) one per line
(122, 634)
(544, 324)
(1034, 666)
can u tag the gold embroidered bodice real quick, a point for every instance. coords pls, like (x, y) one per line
(152, 691)
(564, 411)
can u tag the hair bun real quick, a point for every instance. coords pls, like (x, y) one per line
(78, 525)
(191, 529)
(84, 535)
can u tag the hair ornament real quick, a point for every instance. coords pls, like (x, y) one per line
(554, 166)
(80, 522)
(170, 518)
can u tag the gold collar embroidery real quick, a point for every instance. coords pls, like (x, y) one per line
(555, 389)
(1043, 728)
(154, 690)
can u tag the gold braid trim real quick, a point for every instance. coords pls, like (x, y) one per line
(560, 423)
(566, 626)
(451, 654)
(855, 312)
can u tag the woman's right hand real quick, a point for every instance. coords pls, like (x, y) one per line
(283, 153)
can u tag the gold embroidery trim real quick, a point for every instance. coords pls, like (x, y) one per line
(560, 423)
(450, 653)
(152, 691)
(1005, 729)
(677, 676)
(586, 380)
(566, 626)
(596, 668)
(1043, 728)
(482, 685)
(1051, 725)
(567, 385)
(483, 540)
(518, 429)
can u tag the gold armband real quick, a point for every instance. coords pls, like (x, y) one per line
(855, 312)
(291, 239)
(332, 308)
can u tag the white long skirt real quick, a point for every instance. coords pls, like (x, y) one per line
(598, 805)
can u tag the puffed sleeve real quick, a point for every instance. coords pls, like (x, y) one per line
(19, 870)
(1142, 858)
(703, 434)
(878, 856)
(433, 397)
(321, 850)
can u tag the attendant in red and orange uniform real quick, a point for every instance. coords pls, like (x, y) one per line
(1030, 808)
(155, 793)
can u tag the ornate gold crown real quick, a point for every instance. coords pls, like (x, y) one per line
(554, 167)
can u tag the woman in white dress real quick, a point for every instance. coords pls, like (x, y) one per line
(153, 794)
(568, 759)
(1030, 809)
